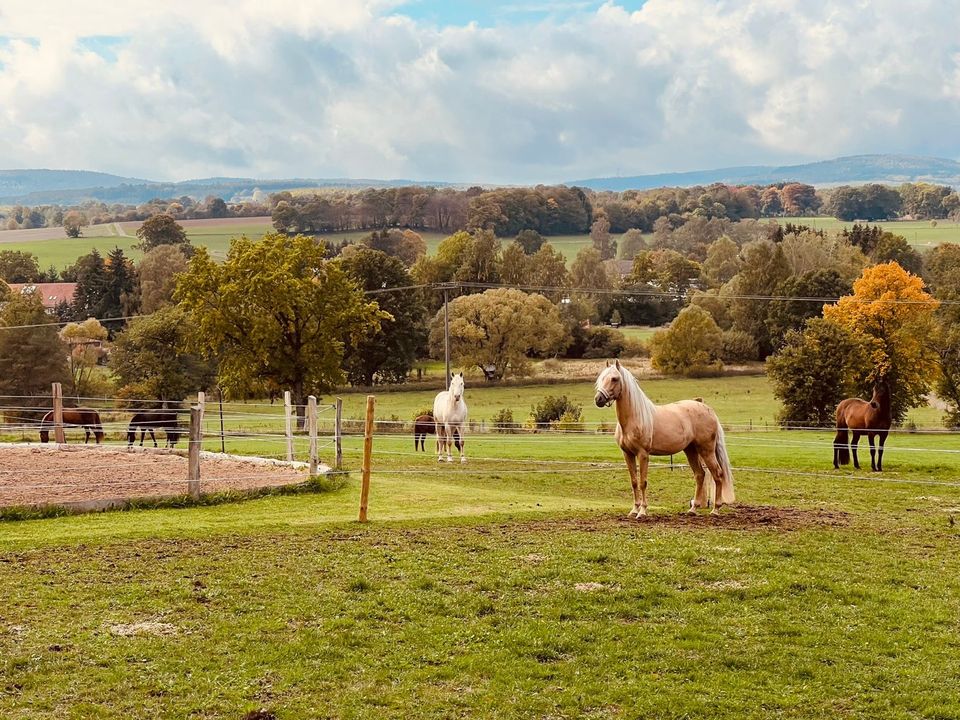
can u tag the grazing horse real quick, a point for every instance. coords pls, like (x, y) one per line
(424, 425)
(147, 421)
(86, 418)
(450, 412)
(860, 417)
(645, 429)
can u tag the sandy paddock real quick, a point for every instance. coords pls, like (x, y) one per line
(91, 475)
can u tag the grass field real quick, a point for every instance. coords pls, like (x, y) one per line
(511, 586)
(922, 234)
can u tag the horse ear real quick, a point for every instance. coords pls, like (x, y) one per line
(617, 363)
(608, 363)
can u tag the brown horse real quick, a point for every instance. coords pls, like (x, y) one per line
(86, 418)
(863, 418)
(424, 425)
(645, 429)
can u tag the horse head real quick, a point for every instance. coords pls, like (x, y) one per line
(881, 393)
(456, 387)
(609, 385)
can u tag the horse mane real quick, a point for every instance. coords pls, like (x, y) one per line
(641, 407)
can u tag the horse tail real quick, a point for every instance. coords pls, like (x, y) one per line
(727, 495)
(841, 446)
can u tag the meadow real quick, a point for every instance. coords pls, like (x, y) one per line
(511, 586)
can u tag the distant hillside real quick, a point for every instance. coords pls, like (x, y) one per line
(853, 170)
(72, 187)
(17, 183)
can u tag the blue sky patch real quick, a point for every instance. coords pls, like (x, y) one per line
(105, 46)
(491, 13)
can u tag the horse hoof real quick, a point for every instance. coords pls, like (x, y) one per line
(463, 460)
(641, 512)
(632, 514)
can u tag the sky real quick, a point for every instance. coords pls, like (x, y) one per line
(523, 91)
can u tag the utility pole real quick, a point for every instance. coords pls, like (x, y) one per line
(446, 337)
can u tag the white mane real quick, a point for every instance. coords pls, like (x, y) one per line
(641, 407)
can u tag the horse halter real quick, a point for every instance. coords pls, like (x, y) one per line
(607, 399)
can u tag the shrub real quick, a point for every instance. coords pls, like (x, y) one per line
(737, 346)
(571, 420)
(690, 346)
(634, 348)
(503, 421)
(552, 409)
(604, 342)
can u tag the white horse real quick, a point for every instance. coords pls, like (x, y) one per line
(450, 412)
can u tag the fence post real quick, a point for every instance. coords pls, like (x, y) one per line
(367, 453)
(202, 403)
(288, 422)
(58, 435)
(338, 434)
(312, 429)
(193, 453)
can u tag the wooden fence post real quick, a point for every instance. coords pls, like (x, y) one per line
(312, 430)
(338, 434)
(58, 435)
(288, 422)
(367, 454)
(202, 403)
(193, 453)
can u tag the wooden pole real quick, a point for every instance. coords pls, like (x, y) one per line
(58, 435)
(202, 404)
(223, 440)
(288, 422)
(446, 340)
(312, 429)
(367, 454)
(338, 434)
(193, 452)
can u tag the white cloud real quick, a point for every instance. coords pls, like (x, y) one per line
(344, 88)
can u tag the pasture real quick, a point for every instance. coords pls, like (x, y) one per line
(512, 586)
(921, 234)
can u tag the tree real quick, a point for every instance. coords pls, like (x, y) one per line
(814, 370)
(388, 354)
(161, 229)
(31, 358)
(158, 273)
(90, 274)
(798, 304)
(404, 244)
(276, 312)
(120, 293)
(600, 237)
(722, 262)
(499, 329)
(895, 248)
(893, 315)
(17, 266)
(589, 275)
(799, 199)
(630, 243)
(690, 346)
(763, 268)
(151, 360)
(73, 223)
(84, 341)
(529, 240)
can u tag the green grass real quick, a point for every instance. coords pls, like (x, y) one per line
(638, 332)
(922, 234)
(511, 586)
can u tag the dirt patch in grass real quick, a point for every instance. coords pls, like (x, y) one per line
(37, 475)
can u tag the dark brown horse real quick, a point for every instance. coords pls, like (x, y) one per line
(147, 421)
(863, 418)
(86, 418)
(424, 425)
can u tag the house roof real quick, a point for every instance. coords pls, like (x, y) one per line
(51, 294)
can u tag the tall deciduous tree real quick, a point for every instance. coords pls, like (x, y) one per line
(30, 357)
(84, 341)
(158, 276)
(386, 355)
(276, 311)
(161, 229)
(17, 266)
(894, 316)
(499, 329)
(690, 346)
(151, 360)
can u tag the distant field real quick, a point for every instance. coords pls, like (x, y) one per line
(919, 233)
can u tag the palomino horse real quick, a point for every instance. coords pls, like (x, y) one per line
(863, 418)
(147, 421)
(86, 418)
(424, 425)
(645, 429)
(450, 412)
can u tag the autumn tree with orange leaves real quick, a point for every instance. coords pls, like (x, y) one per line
(893, 315)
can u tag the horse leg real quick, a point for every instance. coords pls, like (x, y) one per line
(463, 446)
(883, 439)
(153, 437)
(86, 435)
(441, 441)
(699, 498)
(853, 445)
(143, 435)
(716, 472)
(631, 461)
(873, 460)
